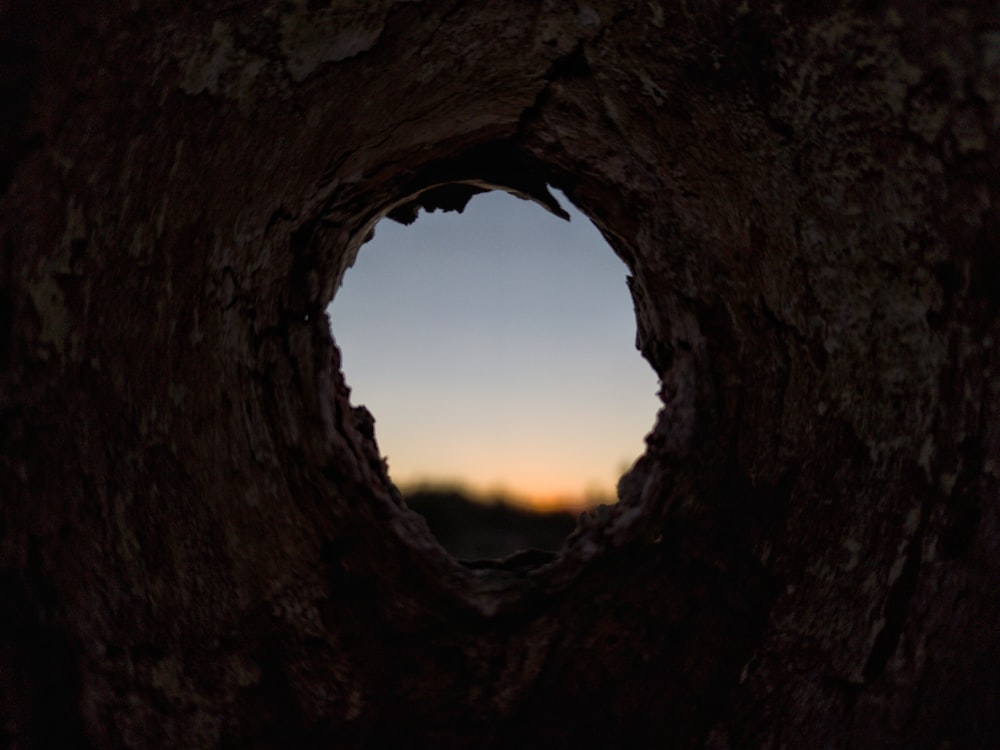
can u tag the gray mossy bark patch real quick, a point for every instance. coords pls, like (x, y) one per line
(199, 545)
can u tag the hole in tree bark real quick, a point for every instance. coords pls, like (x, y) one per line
(497, 353)
(199, 544)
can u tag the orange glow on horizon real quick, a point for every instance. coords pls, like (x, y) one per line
(551, 496)
(497, 355)
(525, 470)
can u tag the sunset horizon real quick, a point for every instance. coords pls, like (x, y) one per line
(496, 352)
(515, 495)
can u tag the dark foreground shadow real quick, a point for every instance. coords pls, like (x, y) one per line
(490, 528)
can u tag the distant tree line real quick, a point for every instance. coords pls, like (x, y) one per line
(491, 527)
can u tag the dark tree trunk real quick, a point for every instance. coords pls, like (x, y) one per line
(199, 546)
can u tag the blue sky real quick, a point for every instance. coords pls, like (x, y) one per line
(496, 349)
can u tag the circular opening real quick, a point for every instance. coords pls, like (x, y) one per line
(496, 349)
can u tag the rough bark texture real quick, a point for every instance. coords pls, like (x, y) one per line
(199, 546)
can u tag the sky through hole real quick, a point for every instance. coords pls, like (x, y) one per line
(495, 349)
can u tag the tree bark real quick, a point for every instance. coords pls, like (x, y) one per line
(199, 544)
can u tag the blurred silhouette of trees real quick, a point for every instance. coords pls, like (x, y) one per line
(492, 527)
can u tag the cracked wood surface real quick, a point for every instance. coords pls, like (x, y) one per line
(199, 545)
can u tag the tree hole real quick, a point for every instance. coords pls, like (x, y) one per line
(496, 350)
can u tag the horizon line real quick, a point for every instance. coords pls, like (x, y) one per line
(508, 496)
